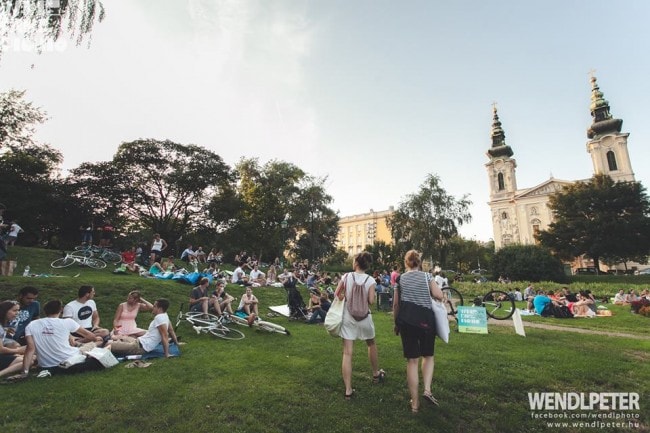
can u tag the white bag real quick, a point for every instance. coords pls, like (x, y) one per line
(442, 323)
(104, 356)
(334, 317)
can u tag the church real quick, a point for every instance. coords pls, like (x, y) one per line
(517, 214)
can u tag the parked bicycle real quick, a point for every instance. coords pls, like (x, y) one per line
(498, 304)
(262, 325)
(104, 254)
(69, 259)
(208, 324)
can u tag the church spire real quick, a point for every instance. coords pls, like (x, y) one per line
(499, 146)
(604, 123)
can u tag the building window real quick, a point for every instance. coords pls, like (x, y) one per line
(504, 216)
(533, 210)
(502, 185)
(611, 161)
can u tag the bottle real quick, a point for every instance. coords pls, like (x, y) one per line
(26, 271)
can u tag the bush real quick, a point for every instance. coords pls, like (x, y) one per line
(528, 262)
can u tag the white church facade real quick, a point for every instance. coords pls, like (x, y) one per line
(517, 214)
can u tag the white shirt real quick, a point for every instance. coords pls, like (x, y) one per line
(152, 338)
(51, 339)
(237, 275)
(80, 313)
(14, 230)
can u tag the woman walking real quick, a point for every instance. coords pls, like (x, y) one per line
(358, 328)
(415, 324)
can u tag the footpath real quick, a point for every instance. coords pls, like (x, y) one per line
(570, 329)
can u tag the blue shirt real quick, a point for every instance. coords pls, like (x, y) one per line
(540, 302)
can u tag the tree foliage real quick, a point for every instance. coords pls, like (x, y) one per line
(466, 255)
(18, 120)
(527, 263)
(44, 22)
(429, 219)
(601, 219)
(159, 185)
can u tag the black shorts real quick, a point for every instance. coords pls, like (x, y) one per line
(417, 342)
(6, 360)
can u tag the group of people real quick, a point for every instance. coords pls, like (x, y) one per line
(561, 304)
(622, 298)
(61, 339)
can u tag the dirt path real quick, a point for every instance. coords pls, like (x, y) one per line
(569, 329)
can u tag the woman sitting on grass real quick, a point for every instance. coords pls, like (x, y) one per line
(126, 313)
(11, 358)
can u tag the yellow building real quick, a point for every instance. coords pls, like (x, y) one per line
(358, 231)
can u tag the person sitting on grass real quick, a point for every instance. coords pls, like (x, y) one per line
(49, 339)
(30, 309)
(239, 276)
(200, 300)
(126, 313)
(159, 332)
(128, 260)
(583, 307)
(168, 264)
(11, 356)
(257, 276)
(620, 298)
(248, 306)
(221, 301)
(319, 303)
(83, 310)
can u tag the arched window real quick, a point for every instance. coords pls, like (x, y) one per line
(611, 161)
(536, 223)
(504, 216)
(502, 185)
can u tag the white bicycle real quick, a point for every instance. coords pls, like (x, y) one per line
(262, 325)
(208, 324)
(69, 259)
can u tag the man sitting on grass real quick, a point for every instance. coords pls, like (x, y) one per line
(49, 339)
(159, 332)
(83, 310)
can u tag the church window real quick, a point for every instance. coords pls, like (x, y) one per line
(611, 161)
(533, 210)
(504, 216)
(502, 185)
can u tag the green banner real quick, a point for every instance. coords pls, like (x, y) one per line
(472, 320)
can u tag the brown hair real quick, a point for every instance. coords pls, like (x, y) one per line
(412, 259)
(363, 260)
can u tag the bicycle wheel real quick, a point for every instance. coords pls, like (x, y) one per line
(94, 263)
(63, 262)
(453, 299)
(271, 327)
(200, 319)
(237, 320)
(111, 257)
(226, 333)
(498, 305)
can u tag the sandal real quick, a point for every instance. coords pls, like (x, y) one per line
(380, 377)
(414, 408)
(349, 396)
(430, 398)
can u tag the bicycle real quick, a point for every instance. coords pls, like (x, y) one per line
(258, 323)
(97, 252)
(208, 324)
(498, 304)
(69, 260)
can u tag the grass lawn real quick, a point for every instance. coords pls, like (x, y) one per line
(274, 383)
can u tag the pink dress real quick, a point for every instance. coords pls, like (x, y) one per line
(127, 320)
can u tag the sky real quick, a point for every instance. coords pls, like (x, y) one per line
(373, 94)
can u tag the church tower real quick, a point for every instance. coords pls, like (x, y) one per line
(501, 167)
(607, 145)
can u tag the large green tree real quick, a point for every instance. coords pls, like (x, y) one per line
(36, 24)
(161, 186)
(428, 219)
(601, 219)
(466, 254)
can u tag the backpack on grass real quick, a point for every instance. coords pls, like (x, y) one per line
(357, 304)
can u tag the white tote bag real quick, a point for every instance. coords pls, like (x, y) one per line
(442, 323)
(334, 317)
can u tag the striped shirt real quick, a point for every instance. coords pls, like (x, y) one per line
(414, 288)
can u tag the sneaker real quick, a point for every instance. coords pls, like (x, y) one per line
(380, 377)
(44, 373)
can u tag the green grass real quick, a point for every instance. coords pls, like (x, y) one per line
(274, 383)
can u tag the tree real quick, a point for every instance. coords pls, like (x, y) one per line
(316, 223)
(428, 219)
(18, 120)
(527, 263)
(465, 255)
(601, 219)
(158, 185)
(44, 22)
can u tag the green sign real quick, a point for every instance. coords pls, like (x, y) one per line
(472, 320)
